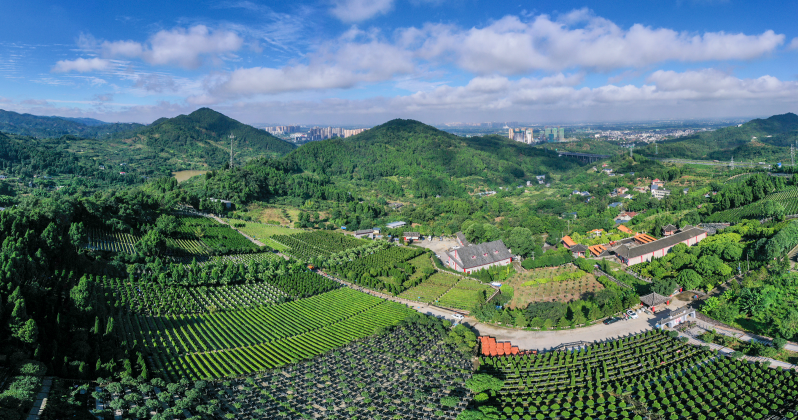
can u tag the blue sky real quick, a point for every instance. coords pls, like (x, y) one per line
(365, 62)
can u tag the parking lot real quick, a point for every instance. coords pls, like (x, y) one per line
(437, 246)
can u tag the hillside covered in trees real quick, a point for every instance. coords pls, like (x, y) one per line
(431, 157)
(759, 139)
(202, 136)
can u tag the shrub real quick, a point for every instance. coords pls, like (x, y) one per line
(779, 343)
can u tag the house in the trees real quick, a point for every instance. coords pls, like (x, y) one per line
(394, 225)
(644, 248)
(578, 250)
(478, 257)
(668, 230)
(625, 229)
(411, 236)
(568, 242)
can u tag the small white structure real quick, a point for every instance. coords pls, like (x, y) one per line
(678, 316)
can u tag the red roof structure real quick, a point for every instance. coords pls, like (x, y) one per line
(491, 348)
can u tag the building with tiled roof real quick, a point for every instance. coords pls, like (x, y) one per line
(478, 257)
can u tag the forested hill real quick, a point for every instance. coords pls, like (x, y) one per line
(203, 135)
(760, 139)
(408, 148)
(52, 127)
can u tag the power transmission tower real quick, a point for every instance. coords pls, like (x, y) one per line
(732, 163)
(656, 149)
(630, 149)
(792, 154)
(232, 136)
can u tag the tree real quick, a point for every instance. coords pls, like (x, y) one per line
(28, 333)
(689, 279)
(788, 327)
(664, 287)
(483, 382)
(77, 234)
(167, 224)
(151, 244)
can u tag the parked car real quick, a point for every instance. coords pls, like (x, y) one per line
(457, 317)
(612, 320)
(632, 314)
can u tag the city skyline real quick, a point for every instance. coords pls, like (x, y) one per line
(352, 62)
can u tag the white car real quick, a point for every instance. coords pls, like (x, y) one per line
(632, 314)
(457, 317)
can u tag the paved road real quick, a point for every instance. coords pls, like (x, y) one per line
(41, 399)
(543, 340)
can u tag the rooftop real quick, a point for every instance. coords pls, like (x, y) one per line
(628, 252)
(654, 299)
(482, 254)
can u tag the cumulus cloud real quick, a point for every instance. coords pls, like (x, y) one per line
(356, 58)
(181, 47)
(578, 40)
(358, 10)
(82, 65)
(794, 44)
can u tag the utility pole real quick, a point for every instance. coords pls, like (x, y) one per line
(630, 149)
(792, 154)
(232, 136)
(732, 163)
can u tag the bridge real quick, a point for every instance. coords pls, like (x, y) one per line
(584, 157)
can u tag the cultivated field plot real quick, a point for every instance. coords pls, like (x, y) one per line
(307, 245)
(432, 288)
(187, 247)
(158, 299)
(384, 377)
(419, 264)
(787, 198)
(648, 375)
(261, 231)
(151, 298)
(564, 283)
(117, 241)
(239, 342)
(217, 237)
(466, 294)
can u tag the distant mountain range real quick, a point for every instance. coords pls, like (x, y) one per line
(760, 139)
(49, 127)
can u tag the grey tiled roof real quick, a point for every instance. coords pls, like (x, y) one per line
(461, 237)
(628, 253)
(482, 254)
(653, 299)
(578, 248)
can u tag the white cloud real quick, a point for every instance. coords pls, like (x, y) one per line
(353, 59)
(793, 44)
(578, 40)
(181, 47)
(82, 65)
(358, 10)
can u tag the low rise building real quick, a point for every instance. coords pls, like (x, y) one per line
(660, 193)
(478, 257)
(411, 236)
(644, 249)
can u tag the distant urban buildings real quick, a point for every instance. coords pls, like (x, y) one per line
(282, 129)
(522, 135)
(314, 134)
(553, 134)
